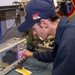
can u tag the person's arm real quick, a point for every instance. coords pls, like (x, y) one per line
(47, 56)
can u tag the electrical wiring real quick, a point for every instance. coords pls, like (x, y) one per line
(13, 32)
(17, 13)
(8, 31)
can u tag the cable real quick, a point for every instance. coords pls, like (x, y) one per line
(21, 6)
(11, 33)
(8, 30)
(17, 13)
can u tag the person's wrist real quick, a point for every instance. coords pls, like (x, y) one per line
(31, 54)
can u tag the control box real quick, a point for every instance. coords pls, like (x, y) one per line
(10, 54)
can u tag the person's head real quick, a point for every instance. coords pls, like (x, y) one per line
(40, 15)
(46, 27)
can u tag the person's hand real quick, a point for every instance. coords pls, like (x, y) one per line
(27, 53)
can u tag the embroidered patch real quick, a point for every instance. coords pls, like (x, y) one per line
(36, 16)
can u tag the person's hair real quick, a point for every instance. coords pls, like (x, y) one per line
(53, 18)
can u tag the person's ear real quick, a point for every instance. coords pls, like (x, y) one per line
(44, 23)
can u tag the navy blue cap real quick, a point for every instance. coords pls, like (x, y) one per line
(35, 11)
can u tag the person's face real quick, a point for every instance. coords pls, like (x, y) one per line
(40, 30)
